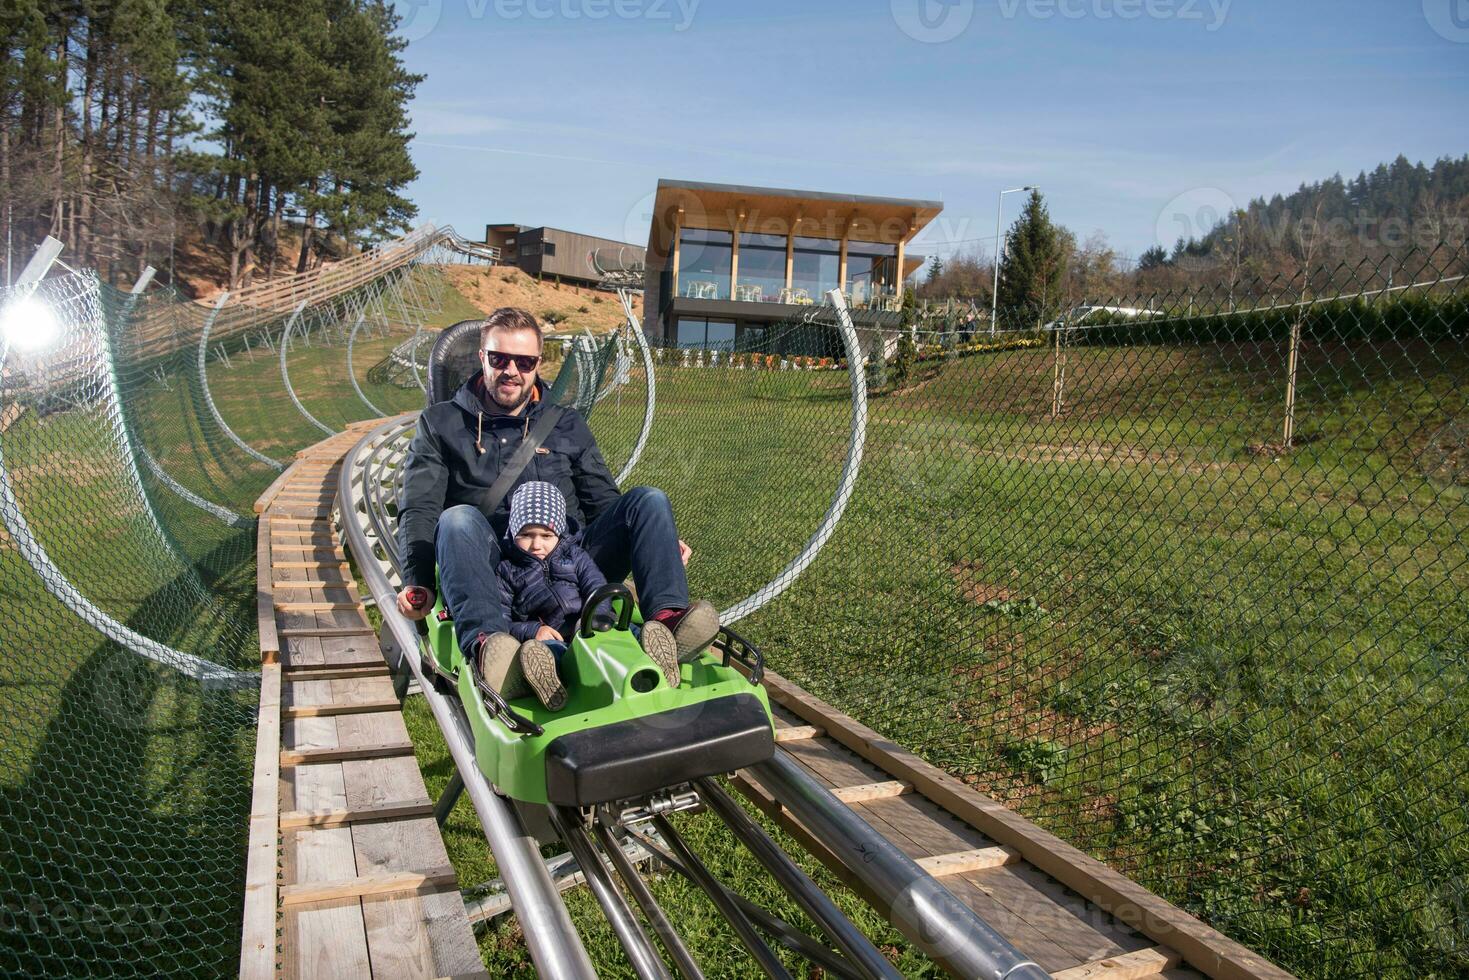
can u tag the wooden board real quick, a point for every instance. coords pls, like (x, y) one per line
(258, 945)
(365, 886)
(12, 412)
(1047, 860)
(1150, 962)
(270, 648)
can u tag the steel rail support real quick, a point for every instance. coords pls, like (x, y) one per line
(651, 400)
(646, 962)
(813, 901)
(352, 340)
(922, 908)
(856, 441)
(789, 936)
(203, 368)
(764, 956)
(672, 941)
(555, 947)
(286, 374)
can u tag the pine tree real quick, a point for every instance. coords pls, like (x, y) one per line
(935, 270)
(1034, 267)
(369, 118)
(1152, 258)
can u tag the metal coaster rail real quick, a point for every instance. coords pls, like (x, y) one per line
(962, 942)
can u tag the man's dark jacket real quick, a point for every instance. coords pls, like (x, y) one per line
(444, 468)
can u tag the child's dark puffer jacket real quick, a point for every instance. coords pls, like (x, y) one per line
(546, 591)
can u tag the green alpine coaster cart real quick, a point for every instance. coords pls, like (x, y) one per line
(624, 734)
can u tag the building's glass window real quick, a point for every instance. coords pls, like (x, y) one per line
(817, 261)
(701, 334)
(691, 332)
(762, 273)
(704, 260)
(870, 271)
(548, 248)
(721, 335)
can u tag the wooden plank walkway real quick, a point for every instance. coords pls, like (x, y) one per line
(1068, 912)
(348, 875)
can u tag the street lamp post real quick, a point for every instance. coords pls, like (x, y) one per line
(1000, 252)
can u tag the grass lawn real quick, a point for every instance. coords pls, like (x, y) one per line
(1234, 671)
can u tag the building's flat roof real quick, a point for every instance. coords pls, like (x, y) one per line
(754, 191)
(776, 211)
(565, 231)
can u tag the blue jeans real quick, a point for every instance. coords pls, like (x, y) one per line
(636, 534)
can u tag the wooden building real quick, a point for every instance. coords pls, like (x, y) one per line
(725, 262)
(565, 255)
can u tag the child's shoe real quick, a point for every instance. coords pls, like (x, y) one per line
(494, 663)
(538, 664)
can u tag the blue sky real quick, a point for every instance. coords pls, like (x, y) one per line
(1140, 118)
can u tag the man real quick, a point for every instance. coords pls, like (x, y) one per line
(459, 449)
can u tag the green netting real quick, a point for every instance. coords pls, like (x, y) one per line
(1085, 569)
(127, 600)
(124, 780)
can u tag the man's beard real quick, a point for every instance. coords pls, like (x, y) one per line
(514, 404)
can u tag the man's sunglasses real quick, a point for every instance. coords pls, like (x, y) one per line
(524, 363)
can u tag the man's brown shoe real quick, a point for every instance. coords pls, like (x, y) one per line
(696, 628)
(662, 649)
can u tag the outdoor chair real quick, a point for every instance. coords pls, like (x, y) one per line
(701, 289)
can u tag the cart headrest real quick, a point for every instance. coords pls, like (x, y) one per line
(453, 360)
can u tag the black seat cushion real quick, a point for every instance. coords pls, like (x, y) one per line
(629, 758)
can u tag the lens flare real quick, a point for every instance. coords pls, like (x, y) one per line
(28, 324)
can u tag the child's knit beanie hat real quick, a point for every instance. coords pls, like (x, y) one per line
(540, 503)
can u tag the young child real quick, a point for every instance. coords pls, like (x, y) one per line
(545, 578)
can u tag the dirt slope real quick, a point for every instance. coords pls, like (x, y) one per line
(572, 307)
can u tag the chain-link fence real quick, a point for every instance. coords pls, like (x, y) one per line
(1183, 577)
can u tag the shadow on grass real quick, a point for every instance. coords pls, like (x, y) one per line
(125, 816)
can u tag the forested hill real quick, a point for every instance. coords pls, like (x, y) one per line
(1396, 204)
(132, 130)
